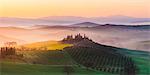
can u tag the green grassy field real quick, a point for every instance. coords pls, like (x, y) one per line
(49, 57)
(58, 64)
(55, 65)
(8, 68)
(141, 59)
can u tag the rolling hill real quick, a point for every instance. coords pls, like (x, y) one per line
(82, 55)
(106, 58)
(85, 24)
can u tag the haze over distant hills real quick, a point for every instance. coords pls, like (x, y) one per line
(91, 25)
(67, 20)
(118, 31)
(124, 36)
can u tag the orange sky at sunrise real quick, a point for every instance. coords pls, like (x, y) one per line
(84, 8)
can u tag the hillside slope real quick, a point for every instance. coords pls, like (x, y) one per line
(48, 45)
(104, 58)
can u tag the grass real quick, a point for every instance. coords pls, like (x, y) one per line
(49, 45)
(141, 59)
(50, 57)
(8, 68)
(28, 69)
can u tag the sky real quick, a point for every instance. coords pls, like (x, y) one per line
(83, 8)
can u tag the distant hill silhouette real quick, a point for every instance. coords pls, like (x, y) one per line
(86, 24)
(66, 20)
(112, 26)
(91, 25)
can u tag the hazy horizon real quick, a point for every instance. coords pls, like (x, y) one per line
(69, 20)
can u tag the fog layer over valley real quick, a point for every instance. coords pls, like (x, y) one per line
(124, 37)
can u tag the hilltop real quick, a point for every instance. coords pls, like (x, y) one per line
(85, 24)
